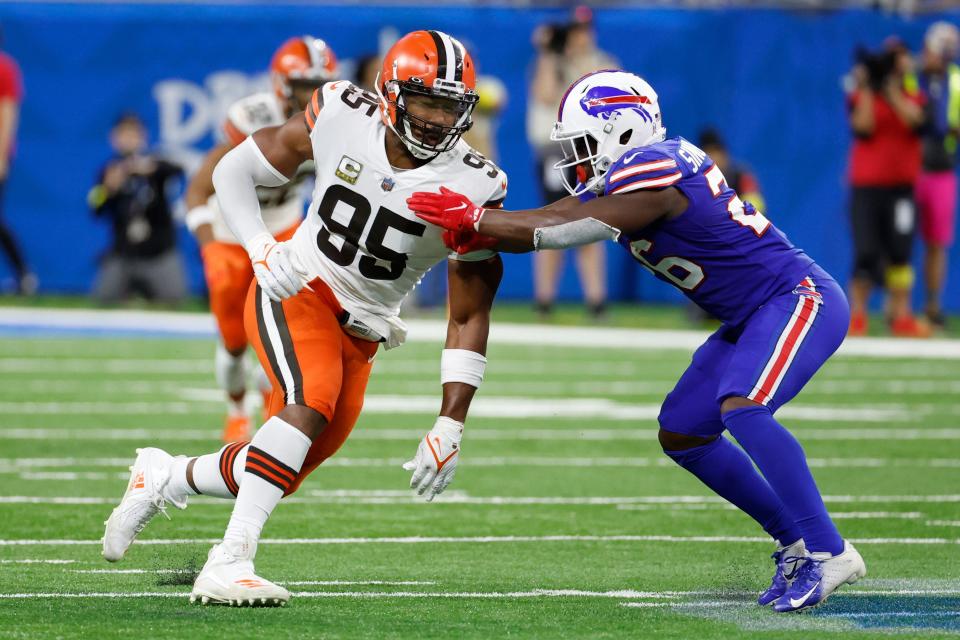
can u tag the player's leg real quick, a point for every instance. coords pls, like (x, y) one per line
(227, 270)
(299, 342)
(357, 363)
(782, 346)
(691, 435)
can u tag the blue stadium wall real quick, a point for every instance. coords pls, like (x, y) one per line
(769, 79)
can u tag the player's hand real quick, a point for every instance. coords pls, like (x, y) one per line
(468, 241)
(447, 209)
(278, 269)
(436, 460)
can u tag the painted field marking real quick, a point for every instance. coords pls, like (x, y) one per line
(162, 434)
(434, 331)
(473, 539)
(484, 407)
(20, 465)
(37, 561)
(404, 496)
(621, 594)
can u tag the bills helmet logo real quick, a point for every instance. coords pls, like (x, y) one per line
(602, 102)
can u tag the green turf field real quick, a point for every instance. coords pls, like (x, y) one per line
(565, 520)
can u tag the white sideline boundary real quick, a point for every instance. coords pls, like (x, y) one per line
(433, 331)
(474, 540)
(404, 497)
(637, 598)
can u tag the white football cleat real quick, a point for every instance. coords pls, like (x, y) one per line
(228, 578)
(144, 498)
(819, 576)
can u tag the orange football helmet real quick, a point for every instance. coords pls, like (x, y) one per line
(302, 60)
(432, 64)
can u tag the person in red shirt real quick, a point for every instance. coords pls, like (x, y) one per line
(11, 94)
(886, 111)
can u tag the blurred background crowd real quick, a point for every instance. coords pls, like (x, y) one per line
(847, 114)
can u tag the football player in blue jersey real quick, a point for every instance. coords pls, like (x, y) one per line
(782, 314)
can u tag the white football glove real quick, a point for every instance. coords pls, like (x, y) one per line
(436, 460)
(278, 269)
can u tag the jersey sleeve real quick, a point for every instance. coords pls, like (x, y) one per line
(499, 193)
(237, 125)
(312, 111)
(648, 168)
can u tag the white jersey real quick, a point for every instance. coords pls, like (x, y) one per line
(281, 207)
(359, 236)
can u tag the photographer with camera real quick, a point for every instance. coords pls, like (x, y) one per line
(886, 113)
(132, 194)
(565, 52)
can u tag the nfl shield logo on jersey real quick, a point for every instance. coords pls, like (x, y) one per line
(349, 170)
(387, 184)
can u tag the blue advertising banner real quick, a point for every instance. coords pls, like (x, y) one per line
(769, 80)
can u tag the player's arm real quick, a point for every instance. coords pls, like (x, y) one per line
(569, 225)
(269, 157)
(199, 216)
(472, 288)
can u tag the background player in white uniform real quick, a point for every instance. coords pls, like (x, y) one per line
(324, 300)
(298, 67)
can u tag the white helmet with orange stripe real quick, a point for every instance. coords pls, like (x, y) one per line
(602, 116)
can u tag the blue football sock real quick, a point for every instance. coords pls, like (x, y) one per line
(728, 471)
(782, 462)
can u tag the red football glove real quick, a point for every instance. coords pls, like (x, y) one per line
(447, 209)
(467, 241)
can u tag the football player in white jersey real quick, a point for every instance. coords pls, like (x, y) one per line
(298, 67)
(324, 301)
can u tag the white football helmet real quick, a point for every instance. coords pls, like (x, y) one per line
(602, 116)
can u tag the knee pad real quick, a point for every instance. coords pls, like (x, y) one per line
(899, 276)
(231, 371)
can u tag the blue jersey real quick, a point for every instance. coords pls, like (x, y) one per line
(721, 252)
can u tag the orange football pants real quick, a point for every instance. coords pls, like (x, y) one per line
(228, 272)
(311, 362)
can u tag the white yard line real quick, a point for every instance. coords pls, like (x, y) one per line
(645, 598)
(402, 497)
(24, 466)
(433, 331)
(483, 407)
(211, 436)
(474, 540)
(36, 561)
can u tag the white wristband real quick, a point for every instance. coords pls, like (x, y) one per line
(462, 365)
(199, 216)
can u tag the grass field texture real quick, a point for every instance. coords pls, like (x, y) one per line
(565, 519)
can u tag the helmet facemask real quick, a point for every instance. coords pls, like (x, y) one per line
(599, 148)
(580, 149)
(425, 139)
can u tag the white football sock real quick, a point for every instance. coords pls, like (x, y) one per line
(231, 371)
(273, 461)
(213, 474)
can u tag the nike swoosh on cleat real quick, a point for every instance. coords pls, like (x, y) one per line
(799, 603)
